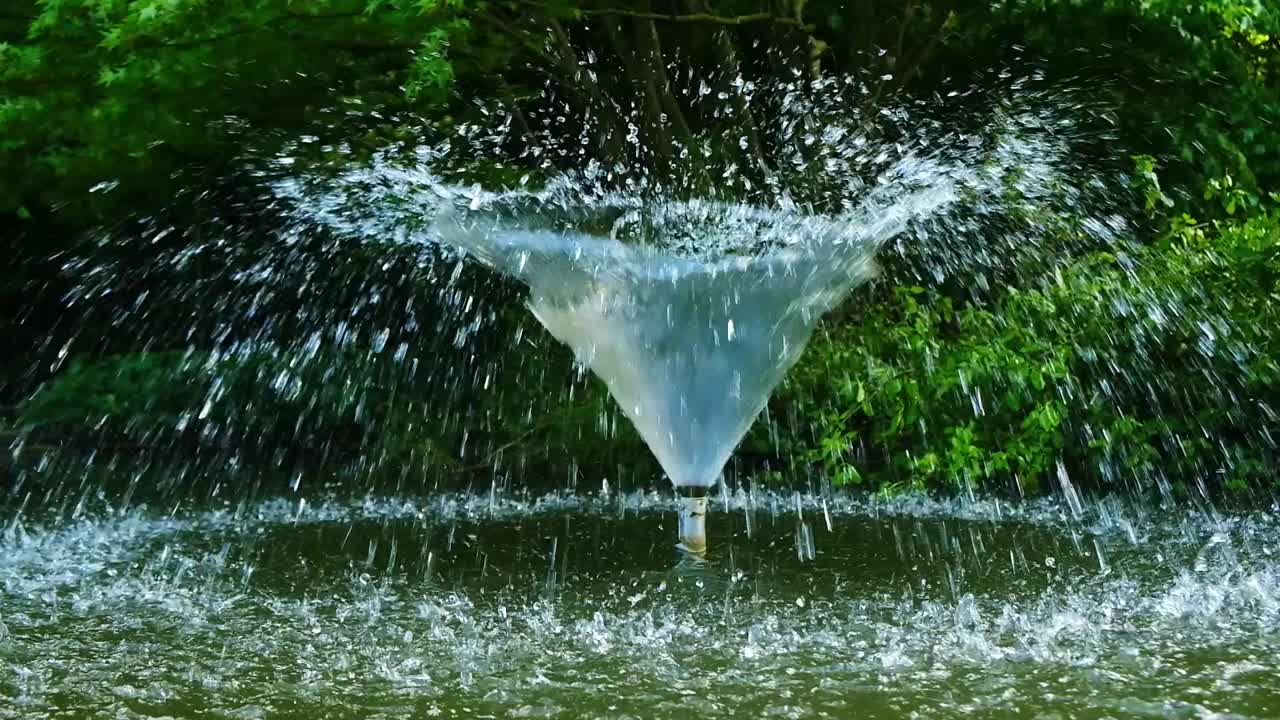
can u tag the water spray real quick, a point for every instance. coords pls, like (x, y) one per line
(692, 310)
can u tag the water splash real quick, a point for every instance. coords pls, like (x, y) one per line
(336, 291)
(272, 609)
(692, 310)
(690, 350)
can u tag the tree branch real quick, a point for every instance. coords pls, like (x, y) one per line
(700, 17)
(322, 16)
(925, 53)
(728, 59)
(593, 99)
(29, 87)
(517, 114)
(515, 35)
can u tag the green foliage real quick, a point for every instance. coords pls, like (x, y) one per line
(1200, 81)
(252, 403)
(1148, 184)
(128, 92)
(1120, 374)
(1157, 369)
(131, 388)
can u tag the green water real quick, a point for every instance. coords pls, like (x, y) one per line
(582, 608)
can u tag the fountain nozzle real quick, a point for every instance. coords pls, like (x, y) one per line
(693, 519)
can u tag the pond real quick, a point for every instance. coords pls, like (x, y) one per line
(477, 606)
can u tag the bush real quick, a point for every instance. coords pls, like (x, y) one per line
(1149, 370)
(266, 406)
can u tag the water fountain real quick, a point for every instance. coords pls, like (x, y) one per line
(691, 306)
(690, 347)
(690, 311)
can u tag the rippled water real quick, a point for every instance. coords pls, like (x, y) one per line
(480, 606)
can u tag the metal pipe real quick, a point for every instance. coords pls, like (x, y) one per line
(693, 520)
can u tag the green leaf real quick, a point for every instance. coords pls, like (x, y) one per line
(108, 76)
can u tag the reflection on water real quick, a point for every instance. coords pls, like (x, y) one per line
(469, 606)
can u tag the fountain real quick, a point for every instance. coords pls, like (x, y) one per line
(284, 448)
(327, 600)
(691, 303)
(690, 347)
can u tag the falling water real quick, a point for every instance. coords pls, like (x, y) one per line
(689, 348)
(691, 311)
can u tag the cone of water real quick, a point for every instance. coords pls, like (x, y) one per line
(690, 342)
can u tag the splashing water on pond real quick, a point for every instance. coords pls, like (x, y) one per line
(576, 606)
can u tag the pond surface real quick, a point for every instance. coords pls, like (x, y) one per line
(565, 607)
